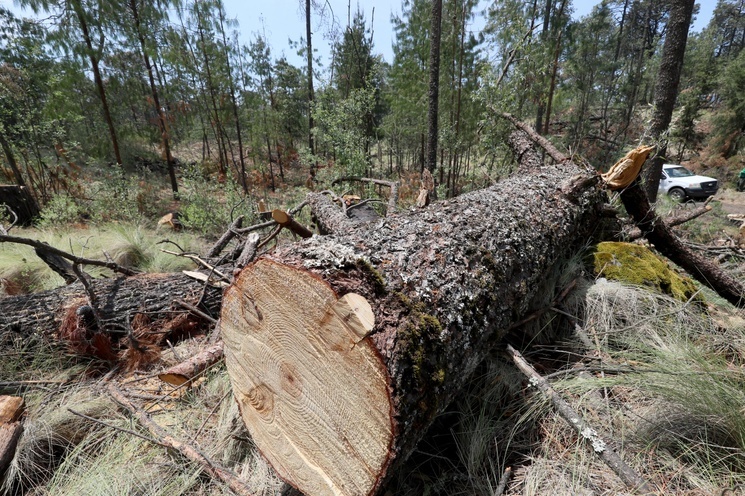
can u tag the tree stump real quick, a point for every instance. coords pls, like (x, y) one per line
(20, 201)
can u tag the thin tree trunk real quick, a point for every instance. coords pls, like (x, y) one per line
(557, 52)
(234, 101)
(666, 91)
(12, 161)
(98, 79)
(434, 84)
(311, 97)
(156, 100)
(219, 131)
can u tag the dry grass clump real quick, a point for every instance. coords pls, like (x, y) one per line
(50, 431)
(663, 386)
(63, 453)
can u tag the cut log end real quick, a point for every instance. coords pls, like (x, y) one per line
(312, 390)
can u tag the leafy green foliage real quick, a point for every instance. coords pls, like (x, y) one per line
(59, 211)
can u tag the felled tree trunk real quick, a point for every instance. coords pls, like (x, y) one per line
(120, 300)
(342, 349)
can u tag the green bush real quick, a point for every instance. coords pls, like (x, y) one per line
(59, 211)
(126, 198)
(208, 207)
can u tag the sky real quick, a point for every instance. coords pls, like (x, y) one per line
(282, 20)
(285, 19)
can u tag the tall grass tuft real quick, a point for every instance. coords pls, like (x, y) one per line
(131, 245)
(681, 385)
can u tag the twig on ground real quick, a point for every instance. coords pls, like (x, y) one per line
(269, 238)
(196, 259)
(503, 482)
(186, 449)
(195, 311)
(14, 219)
(627, 474)
(212, 412)
(117, 428)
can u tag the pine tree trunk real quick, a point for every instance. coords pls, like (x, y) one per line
(10, 157)
(666, 89)
(343, 349)
(309, 48)
(120, 299)
(98, 80)
(156, 100)
(434, 84)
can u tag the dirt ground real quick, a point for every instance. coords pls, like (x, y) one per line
(733, 202)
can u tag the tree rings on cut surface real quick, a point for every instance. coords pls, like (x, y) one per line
(311, 388)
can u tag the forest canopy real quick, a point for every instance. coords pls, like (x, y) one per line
(135, 81)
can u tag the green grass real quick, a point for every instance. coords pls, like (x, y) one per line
(131, 245)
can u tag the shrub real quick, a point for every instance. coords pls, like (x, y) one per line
(59, 211)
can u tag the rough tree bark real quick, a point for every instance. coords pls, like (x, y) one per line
(666, 88)
(120, 299)
(342, 349)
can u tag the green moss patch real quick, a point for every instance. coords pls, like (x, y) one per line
(637, 265)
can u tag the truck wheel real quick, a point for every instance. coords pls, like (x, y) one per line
(677, 194)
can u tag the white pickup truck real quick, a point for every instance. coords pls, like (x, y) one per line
(679, 183)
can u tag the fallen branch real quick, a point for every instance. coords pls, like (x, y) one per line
(226, 238)
(190, 369)
(329, 218)
(503, 482)
(393, 185)
(552, 151)
(627, 474)
(658, 233)
(666, 242)
(198, 260)
(673, 221)
(163, 438)
(13, 220)
(249, 251)
(284, 219)
(4, 238)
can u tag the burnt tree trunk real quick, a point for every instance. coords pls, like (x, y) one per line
(20, 201)
(342, 349)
